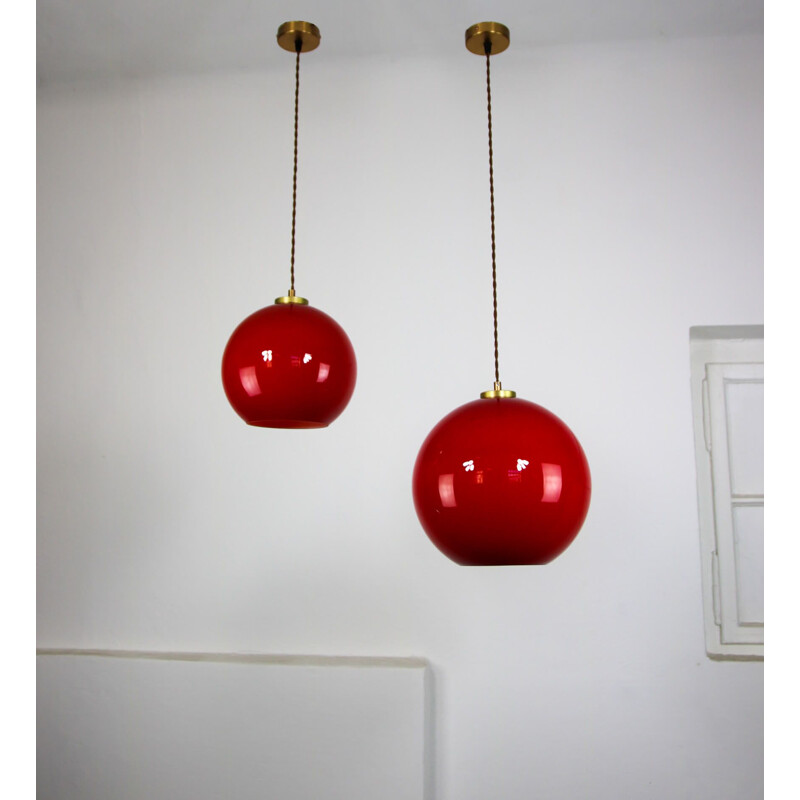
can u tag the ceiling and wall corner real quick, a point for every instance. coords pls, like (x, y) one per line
(90, 40)
(628, 180)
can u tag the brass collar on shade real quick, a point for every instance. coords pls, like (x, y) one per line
(290, 33)
(291, 299)
(497, 34)
(497, 391)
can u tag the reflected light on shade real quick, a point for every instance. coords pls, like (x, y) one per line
(551, 483)
(447, 493)
(324, 370)
(247, 375)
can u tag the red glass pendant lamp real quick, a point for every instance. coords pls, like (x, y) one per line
(290, 365)
(500, 480)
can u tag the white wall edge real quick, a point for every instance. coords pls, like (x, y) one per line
(397, 662)
(716, 332)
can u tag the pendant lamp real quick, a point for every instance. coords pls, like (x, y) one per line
(289, 365)
(500, 480)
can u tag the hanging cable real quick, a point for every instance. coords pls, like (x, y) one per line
(488, 49)
(298, 48)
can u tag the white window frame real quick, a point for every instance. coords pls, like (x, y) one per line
(722, 355)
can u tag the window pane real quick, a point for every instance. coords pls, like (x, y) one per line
(744, 401)
(748, 533)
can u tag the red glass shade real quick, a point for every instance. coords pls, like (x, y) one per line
(289, 366)
(501, 481)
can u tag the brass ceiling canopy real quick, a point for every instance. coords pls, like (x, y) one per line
(495, 33)
(306, 33)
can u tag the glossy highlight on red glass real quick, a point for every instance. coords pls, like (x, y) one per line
(289, 366)
(501, 481)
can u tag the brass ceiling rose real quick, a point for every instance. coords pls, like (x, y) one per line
(305, 32)
(495, 33)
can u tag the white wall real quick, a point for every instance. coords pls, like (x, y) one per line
(629, 202)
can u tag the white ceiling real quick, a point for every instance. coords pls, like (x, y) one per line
(111, 39)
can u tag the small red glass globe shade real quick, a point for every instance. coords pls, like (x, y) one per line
(501, 481)
(289, 366)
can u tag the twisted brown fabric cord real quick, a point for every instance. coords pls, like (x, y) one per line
(488, 48)
(298, 46)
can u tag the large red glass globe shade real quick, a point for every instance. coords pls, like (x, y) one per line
(501, 481)
(289, 366)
